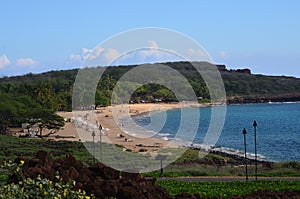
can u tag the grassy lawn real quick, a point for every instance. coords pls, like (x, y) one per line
(226, 189)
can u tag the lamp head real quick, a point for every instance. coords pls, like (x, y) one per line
(254, 123)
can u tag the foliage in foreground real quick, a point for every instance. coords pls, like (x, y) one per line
(36, 188)
(226, 189)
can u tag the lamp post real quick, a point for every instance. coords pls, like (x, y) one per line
(100, 129)
(245, 132)
(255, 149)
(93, 134)
(161, 158)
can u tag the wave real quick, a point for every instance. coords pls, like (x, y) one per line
(237, 152)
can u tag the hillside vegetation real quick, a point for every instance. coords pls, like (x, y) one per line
(238, 84)
(23, 97)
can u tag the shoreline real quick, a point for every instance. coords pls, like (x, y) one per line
(113, 130)
(116, 132)
(254, 99)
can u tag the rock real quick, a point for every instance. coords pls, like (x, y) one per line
(73, 173)
(110, 188)
(70, 161)
(98, 179)
(129, 175)
(57, 163)
(110, 173)
(33, 172)
(44, 157)
(104, 171)
(129, 192)
(84, 175)
(33, 162)
(245, 71)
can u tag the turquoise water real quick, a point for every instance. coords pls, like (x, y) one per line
(278, 130)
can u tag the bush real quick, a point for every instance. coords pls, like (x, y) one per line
(142, 150)
(38, 188)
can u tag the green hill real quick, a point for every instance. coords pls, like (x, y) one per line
(53, 89)
(35, 98)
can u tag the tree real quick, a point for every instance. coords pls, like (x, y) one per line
(18, 109)
(165, 94)
(101, 99)
(47, 119)
(44, 95)
(5, 119)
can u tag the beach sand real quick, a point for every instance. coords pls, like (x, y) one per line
(113, 132)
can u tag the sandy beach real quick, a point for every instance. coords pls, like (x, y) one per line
(113, 131)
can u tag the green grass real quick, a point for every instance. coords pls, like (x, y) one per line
(189, 164)
(12, 147)
(195, 169)
(226, 189)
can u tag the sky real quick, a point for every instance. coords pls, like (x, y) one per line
(38, 36)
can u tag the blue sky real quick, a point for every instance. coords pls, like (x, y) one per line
(38, 36)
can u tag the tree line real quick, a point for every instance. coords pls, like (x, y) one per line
(37, 97)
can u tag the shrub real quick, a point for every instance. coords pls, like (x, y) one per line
(38, 188)
(142, 150)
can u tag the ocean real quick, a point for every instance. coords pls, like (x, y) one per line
(278, 128)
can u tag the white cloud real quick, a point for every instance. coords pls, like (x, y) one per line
(86, 51)
(223, 55)
(75, 58)
(196, 55)
(111, 54)
(98, 55)
(4, 61)
(26, 62)
(153, 44)
(93, 54)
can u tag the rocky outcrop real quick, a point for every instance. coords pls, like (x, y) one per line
(245, 71)
(98, 179)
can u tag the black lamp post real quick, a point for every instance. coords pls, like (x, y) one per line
(255, 149)
(245, 132)
(93, 134)
(100, 129)
(161, 158)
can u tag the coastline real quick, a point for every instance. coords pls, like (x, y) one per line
(135, 142)
(113, 131)
(254, 99)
